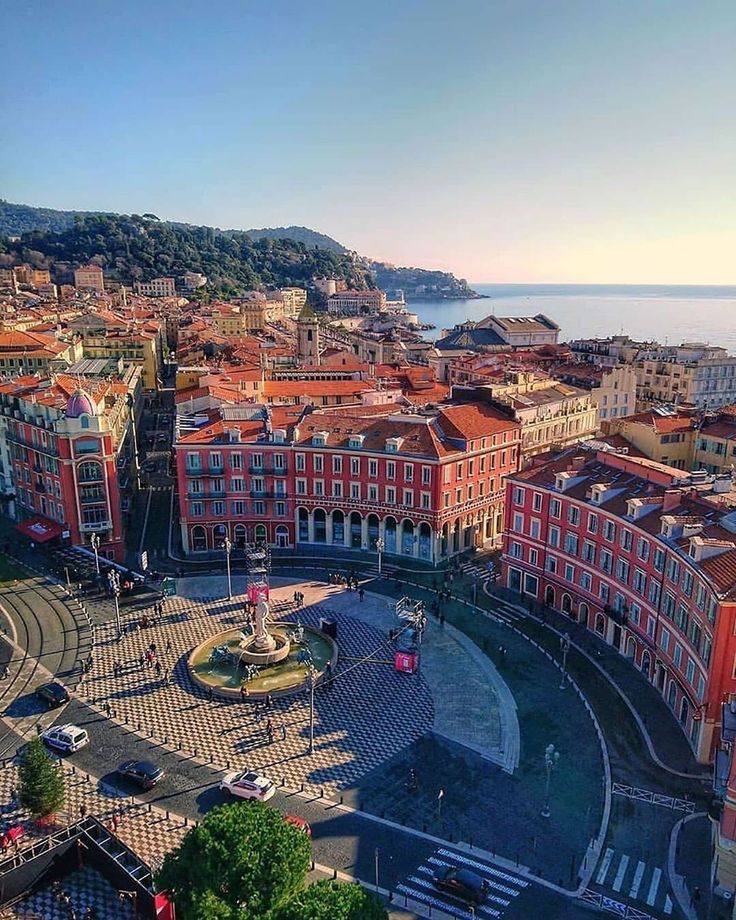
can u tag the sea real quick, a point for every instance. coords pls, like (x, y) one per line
(667, 314)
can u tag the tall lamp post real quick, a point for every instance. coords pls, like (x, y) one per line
(551, 756)
(305, 657)
(380, 546)
(228, 549)
(113, 578)
(564, 648)
(94, 542)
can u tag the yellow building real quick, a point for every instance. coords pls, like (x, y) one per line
(137, 347)
(715, 442)
(89, 278)
(665, 435)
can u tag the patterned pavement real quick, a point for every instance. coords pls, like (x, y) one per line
(369, 713)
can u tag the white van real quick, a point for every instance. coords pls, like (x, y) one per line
(66, 738)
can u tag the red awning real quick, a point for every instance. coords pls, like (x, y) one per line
(39, 529)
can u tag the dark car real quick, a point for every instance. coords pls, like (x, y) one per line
(462, 883)
(141, 772)
(53, 694)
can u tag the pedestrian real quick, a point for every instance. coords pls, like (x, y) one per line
(169, 646)
(283, 733)
(82, 811)
(115, 822)
(158, 669)
(296, 597)
(167, 676)
(268, 701)
(442, 618)
(269, 730)
(141, 659)
(6, 672)
(108, 709)
(361, 595)
(210, 694)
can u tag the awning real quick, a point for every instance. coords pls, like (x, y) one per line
(39, 529)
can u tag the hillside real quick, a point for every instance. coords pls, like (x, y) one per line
(294, 253)
(133, 248)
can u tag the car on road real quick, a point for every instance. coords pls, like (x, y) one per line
(299, 823)
(141, 772)
(68, 738)
(462, 883)
(248, 785)
(53, 694)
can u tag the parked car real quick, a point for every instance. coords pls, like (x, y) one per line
(141, 772)
(248, 785)
(462, 883)
(299, 823)
(53, 694)
(67, 738)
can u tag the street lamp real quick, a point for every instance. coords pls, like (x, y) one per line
(94, 542)
(305, 657)
(551, 756)
(113, 578)
(380, 546)
(564, 648)
(228, 549)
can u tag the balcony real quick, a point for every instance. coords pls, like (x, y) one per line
(195, 471)
(95, 526)
(216, 493)
(98, 499)
(268, 470)
(16, 438)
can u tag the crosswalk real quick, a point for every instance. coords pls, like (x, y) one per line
(633, 878)
(503, 887)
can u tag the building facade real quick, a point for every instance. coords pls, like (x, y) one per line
(89, 278)
(428, 486)
(642, 554)
(156, 287)
(356, 303)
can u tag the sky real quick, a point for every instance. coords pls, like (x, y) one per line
(503, 140)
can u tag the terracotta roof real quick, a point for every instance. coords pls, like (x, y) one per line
(474, 420)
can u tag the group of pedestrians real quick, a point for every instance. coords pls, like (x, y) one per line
(350, 580)
(64, 900)
(299, 598)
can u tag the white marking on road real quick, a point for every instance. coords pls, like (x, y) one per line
(622, 867)
(602, 872)
(638, 875)
(652, 896)
(667, 905)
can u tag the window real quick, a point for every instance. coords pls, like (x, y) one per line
(586, 581)
(654, 593)
(659, 557)
(664, 641)
(571, 544)
(355, 466)
(259, 507)
(700, 597)
(553, 536)
(238, 508)
(642, 549)
(337, 488)
(218, 508)
(537, 501)
(668, 607)
(640, 581)
(280, 509)
(682, 618)
(194, 462)
(355, 490)
(622, 571)
(589, 551)
(373, 468)
(552, 564)
(372, 493)
(635, 614)
(592, 523)
(619, 602)
(408, 472)
(236, 461)
(518, 523)
(569, 572)
(706, 650)
(408, 498)
(391, 469)
(687, 583)
(609, 531)
(518, 495)
(534, 528)
(515, 550)
(673, 570)
(318, 462)
(300, 463)
(471, 467)
(319, 486)
(196, 509)
(459, 474)
(604, 592)
(626, 539)
(606, 560)
(555, 508)
(573, 515)
(426, 475)
(533, 557)
(690, 671)
(216, 461)
(426, 500)
(391, 495)
(458, 496)
(301, 487)
(336, 464)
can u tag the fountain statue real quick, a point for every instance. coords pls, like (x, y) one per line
(264, 641)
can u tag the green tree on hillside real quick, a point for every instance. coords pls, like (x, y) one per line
(41, 782)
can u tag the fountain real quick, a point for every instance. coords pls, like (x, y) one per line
(265, 661)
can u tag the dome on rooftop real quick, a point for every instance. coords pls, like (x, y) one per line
(79, 404)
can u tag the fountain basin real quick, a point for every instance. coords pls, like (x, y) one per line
(279, 676)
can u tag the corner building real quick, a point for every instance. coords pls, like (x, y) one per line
(428, 485)
(645, 556)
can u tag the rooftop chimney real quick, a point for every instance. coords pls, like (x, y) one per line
(671, 499)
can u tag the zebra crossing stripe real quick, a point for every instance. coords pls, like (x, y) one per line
(668, 905)
(603, 871)
(514, 879)
(480, 909)
(638, 875)
(425, 898)
(491, 897)
(652, 896)
(622, 867)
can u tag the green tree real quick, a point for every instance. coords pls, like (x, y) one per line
(242, 862)
(41, 782)
(328, 900)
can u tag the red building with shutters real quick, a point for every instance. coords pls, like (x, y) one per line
(429, 485)
(642, 554)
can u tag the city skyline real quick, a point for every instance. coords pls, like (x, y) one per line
(502, 142)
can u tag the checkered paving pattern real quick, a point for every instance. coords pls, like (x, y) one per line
(85, 888)
(146, 830)
(366, 716)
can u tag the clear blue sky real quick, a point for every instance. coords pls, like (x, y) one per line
(556, 140)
